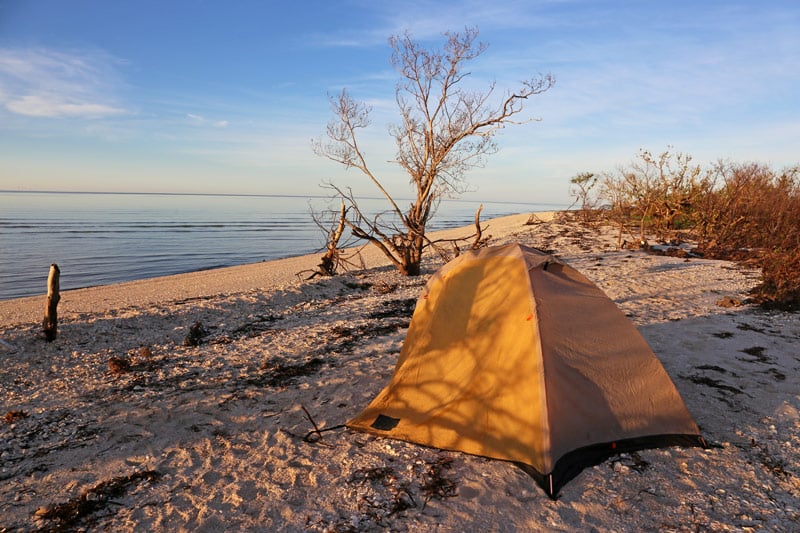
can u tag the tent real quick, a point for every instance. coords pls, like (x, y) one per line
(514, 355)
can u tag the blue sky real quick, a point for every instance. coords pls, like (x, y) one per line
(225, 96)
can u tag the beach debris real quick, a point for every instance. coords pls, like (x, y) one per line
(384, 287)
(533, 219)
(480, 241)
(278, 374)
(729, 301)
(631, 461)
(14, 415)
(330, 261)
(8, 345)
(715, 368)
(749, 327)
(143, 359)
(357, 285)
(383, 491)
(757, 352)
(196, 333)
(50, 322)
(435, 484)
(339, 256)
(118, 365)
(258, 325)
(69, 514)
(346, 338)
(714, 383)
(315, 435)
(395, 309)
(400, 491)
(771, 460)
(672, 248)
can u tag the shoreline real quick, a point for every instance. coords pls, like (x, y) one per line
(100, 241)
(207, 282)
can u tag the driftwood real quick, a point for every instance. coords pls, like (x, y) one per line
(70, 514)
(335, 258)
(479, 241)
(331, 258)
(50, 322)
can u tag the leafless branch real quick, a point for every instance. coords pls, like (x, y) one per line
(443, 132)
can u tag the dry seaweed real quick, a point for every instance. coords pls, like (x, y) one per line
(69, 514)
(715, 368)
(758, 355)
(384, 474)
(255, 327)
(396, 498)
(14, 415)
(278, 374)
(384, 287)
(434, 483)
(119, 365)
(196, 333)
(709, 382)
(347, 337)
(395, 309)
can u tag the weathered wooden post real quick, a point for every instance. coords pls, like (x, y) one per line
(50, 323)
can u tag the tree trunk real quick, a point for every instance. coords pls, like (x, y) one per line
(50, 323)
(330, 261)
(412, 254)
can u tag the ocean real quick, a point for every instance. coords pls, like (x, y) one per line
(103, 238)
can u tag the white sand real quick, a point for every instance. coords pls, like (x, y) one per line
(210, 438)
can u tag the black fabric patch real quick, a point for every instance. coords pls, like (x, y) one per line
(572, 463)
(385, 423)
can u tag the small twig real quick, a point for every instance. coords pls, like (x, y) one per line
(7, 345)
(310, 419)
(316, 429)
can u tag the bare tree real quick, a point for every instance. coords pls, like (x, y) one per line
(581, 188)
(444, 130)
(656, 191)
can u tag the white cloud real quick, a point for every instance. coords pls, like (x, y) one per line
(199, 120)
(48, 83)
(49, 105)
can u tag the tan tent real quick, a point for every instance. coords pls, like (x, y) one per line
(514, 355)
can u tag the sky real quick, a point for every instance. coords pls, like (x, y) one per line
(194, 96)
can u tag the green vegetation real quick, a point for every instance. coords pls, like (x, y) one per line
(747, 212)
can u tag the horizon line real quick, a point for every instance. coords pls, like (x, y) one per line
(259, 195)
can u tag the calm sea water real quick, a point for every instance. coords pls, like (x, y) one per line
(99, 238)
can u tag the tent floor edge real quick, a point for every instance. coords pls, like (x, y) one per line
(545, 481)
(571, 464)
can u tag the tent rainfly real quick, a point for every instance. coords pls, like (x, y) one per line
(514, 355)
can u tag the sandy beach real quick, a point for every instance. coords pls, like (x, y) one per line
(189, 403)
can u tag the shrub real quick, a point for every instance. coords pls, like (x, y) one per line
(746, 212)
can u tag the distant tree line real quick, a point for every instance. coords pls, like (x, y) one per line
(748, 212)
